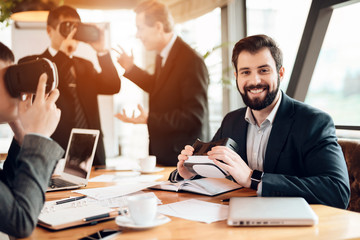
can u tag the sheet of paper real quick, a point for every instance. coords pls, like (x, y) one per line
(196, 210)
(122, 201)
(115, 191)
(125, 176)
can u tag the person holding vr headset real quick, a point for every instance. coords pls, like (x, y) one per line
(285, 147)
(79, 82)
(32, 155)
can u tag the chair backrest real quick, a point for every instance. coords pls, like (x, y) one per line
(351, 150)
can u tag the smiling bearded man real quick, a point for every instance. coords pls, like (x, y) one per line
(286, 148)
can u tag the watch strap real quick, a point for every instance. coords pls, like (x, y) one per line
(255, 179)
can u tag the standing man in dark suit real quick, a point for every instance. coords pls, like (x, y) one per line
(286, 148)
(178, 105)
(32, 155)
(79, 82)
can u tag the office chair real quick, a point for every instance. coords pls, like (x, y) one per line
(351, 150)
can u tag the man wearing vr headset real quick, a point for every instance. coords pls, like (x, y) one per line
(286, 148)
(79, 82)
(32, 155)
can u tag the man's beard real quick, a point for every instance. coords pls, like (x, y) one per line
(258, 104)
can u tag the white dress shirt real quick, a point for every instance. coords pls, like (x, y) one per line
(257, 139)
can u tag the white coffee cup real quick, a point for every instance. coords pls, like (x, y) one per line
(142, 208)
(148, 164)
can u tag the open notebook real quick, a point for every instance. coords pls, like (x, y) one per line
(78, 160)
(204, 186)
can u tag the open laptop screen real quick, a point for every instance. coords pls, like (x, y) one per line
(79, 156)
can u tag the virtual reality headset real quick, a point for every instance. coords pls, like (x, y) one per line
(24, 77)
(201, 165)
(84, 32)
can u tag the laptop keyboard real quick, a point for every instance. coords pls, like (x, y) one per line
(58, 182)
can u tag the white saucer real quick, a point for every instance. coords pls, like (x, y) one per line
(127, 222)
(156, 169)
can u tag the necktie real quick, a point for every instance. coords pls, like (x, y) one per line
(79, 118)
(158, 66)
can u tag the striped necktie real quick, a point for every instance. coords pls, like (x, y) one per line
(79, 118)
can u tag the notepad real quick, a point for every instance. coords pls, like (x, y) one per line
(204, 186)
(70, 214)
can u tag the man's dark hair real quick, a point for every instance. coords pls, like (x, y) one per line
(155, 12)
(64, 11)
(255, 43)
(6, 54)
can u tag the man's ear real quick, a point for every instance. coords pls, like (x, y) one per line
(48, 29)
(281, 73)
(159, 26)
(235, 74)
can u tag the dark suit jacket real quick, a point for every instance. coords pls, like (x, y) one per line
(178, 105)
(302, 157)
(89, 85)
(23, 183)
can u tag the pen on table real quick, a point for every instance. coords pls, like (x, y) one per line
(104, 215)
(70, 200)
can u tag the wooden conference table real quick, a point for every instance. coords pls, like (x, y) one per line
(333, 223)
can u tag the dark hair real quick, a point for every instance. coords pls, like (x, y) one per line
(64, 11)
(253, 44)
(155, 12)
(6, 54)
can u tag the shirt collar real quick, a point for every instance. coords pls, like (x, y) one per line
(166, 50)
(53, 52)
(270, 118)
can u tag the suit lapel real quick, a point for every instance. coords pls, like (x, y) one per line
(168, 67)
(279, 133)
(46, 54)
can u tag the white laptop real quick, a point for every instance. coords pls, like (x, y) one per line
(270, 211)
(76, 168)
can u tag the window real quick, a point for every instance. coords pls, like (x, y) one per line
(284, 21)
(335, 84)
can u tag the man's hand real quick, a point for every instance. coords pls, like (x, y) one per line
(233, 163)
(99, 45)
(69, 45)
(141, 119)
(41, 116)
(126, 61)
(183, 156)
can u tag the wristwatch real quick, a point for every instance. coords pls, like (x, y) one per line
(255, 179)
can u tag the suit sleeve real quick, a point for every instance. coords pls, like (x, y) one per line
(141, 78)
(190, 115)
(324, 178)
(25, 178)
(108, 79)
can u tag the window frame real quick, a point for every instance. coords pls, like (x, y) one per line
(309, 49)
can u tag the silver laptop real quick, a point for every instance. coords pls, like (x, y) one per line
(270, 211)
(78, 160)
